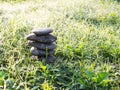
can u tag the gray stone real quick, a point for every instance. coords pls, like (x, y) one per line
(42, 31)
(42, 46)
(49, 59)
(36, 52)
(42, 39)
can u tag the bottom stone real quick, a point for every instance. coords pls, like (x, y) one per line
(49, 59)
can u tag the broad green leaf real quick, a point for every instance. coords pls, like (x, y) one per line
(102, 76)
(89, 74)
(94, 79)
(2, 74)
(81, 82)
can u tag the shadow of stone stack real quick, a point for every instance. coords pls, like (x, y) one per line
(43, 44)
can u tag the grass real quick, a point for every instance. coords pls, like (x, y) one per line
(88, 45)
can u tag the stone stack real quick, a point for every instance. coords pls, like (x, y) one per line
(43, 44)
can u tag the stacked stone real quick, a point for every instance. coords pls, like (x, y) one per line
(43, 44)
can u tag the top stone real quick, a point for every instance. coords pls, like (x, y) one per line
(42, 31)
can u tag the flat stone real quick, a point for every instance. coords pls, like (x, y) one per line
(43, 39)
(42, 46)
(36, 52)
(49, 59)
(42, 31)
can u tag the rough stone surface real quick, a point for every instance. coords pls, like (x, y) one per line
(42, 46)
(36, 52)
(42, 31)
(42, 39)
(49, 59)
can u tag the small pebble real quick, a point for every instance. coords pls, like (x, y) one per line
(42, 46)
(42, 31)
(42, 39)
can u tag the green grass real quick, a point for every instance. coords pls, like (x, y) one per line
(88, 45)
